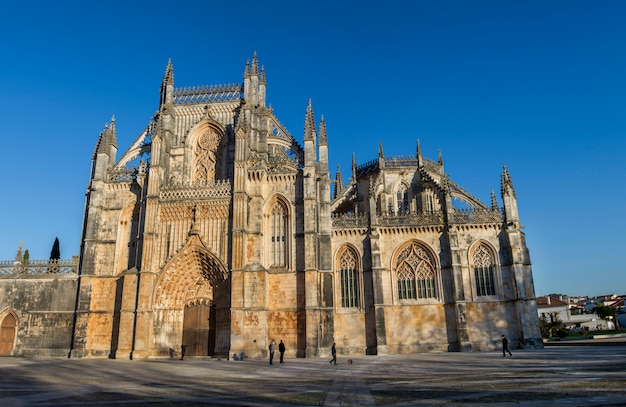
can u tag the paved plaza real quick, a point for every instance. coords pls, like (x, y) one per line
(554, 376)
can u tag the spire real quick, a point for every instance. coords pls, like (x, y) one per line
(255, 65)
(246, 72)
(380, 150)
(310, 138)
(309, 122)
(440, 161)
(263, 81)
(323, 137)
(509, 200)
(112, 132)
(353, 167)
(418, 154)
(167, 84)
(253, 83)
(323, 149)
(168, 77)
(107, 139)
(494, 203)
(338, 183)
(507, 184)
(106, 149)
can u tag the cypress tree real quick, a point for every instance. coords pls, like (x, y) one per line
(55, 253)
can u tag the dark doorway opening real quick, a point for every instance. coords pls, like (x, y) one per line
(199, 329)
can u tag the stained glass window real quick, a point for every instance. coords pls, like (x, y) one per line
(415, 273)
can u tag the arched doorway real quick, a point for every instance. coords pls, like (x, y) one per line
(7, 334)
(192, 303)
(199, 329)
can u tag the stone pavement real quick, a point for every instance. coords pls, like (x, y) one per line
(563, 376)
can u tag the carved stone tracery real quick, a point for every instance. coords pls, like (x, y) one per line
(482, 257)
(206, 160)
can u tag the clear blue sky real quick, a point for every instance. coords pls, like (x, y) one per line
(539, 86)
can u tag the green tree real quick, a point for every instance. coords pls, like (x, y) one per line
(55, 253)
(549, 324)
(607, 313)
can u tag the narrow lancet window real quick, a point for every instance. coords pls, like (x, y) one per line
(278, 232)
(349, 278)
(402, 198)
(483, 271)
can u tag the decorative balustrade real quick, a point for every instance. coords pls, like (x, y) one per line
(125, 174)
(478, 216)
(411, 219)
(12, 268)
(350, 220)
(220, 189)
(208, 94)
(401, 161)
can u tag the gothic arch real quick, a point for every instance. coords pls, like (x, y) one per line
(194, 276)
(193, 273)
(402, 197)
(484, 269)
(349, 277)
(416, 272)
(8, 332)
(205, 151)
(277, 224)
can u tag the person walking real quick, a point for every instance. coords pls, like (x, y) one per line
(272, 345)
(333, 350)
(281, 349)
(505, 346)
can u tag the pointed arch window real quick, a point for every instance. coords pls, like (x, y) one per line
(278, 235)
(429, 200)
(484, 264)
(348, 275)
(402, 199)
(415, 273)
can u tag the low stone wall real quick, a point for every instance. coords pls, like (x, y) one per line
(43, 306)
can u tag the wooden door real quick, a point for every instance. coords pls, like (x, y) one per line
(196, 329)
(7, 335)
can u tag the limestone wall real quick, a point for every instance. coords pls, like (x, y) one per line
(44, 308)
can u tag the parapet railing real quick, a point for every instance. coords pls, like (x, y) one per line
(411, 219)
(12, 268)
(350, 220)
(478, 216)
(208, 94)
(220, 189)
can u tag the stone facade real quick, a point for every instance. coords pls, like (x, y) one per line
(37, 301)
(216, 229)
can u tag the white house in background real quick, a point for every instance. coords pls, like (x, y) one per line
(571, 315)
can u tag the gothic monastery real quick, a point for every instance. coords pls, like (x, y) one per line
(218, 230)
